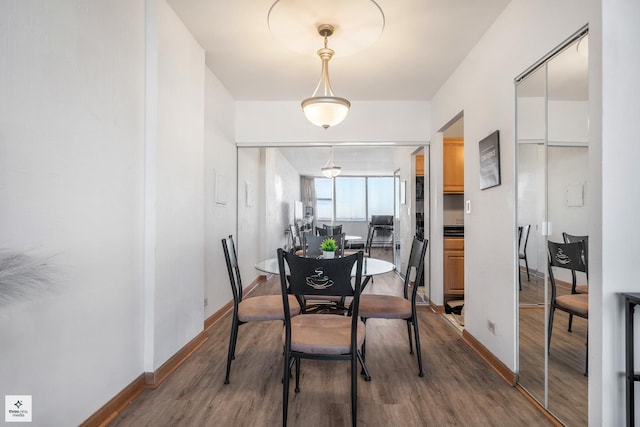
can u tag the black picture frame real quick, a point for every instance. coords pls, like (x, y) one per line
(490, 161)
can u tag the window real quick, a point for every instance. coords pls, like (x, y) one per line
(380, 196)
(324, 199)
(351, 199)
(356, 198)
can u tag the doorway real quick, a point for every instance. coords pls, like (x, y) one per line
(453, 220)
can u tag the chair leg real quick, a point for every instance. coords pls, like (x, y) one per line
(354, 388)
(364, 371)
(551, 311)
(526, 264)
(519, 276)
(297, 375)
(232, 347)
(417, 333)
(409, 333)
(570, 322)
(285, 388)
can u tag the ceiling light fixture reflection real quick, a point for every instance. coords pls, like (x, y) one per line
(330, 170)
(327, 109)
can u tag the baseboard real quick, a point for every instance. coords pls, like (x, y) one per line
(112, 408)
(503, 370)
(154, 379)
(439, 309)
(537, 404)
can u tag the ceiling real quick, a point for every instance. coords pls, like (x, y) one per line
(422, 43)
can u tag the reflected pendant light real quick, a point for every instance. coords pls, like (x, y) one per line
(330, 170)
(325, 110)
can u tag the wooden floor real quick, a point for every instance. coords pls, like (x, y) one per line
(568, 386)
(458, 388)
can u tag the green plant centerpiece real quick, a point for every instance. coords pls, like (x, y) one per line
(328, 247)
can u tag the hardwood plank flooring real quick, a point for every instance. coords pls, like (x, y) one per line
(458, 388)
(568, 386)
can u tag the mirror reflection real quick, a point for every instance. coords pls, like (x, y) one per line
(552, 162)
(284, 190)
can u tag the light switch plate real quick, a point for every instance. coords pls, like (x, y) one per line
(467, 206)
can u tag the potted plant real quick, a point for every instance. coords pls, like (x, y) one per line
(328, 247)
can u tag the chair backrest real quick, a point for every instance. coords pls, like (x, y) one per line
(229, 249)
(332, 229)
(383, 221)
(294, 232)
(523, 239)
(320, 231)
(565, 255)
(416, 263)
(318, 276)
(311, 245)
(570, 238)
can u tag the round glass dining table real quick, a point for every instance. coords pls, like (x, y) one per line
(370, 267)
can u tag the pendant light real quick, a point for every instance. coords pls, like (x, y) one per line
(325, 110)
(330, 170)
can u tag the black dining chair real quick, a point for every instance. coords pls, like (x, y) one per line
(332, 229)
(575, 287)
(400, 307)
(568, 256)
(252, 309)
(523, 240)
(321, 336)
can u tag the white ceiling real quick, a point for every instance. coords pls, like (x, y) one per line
(422, 43)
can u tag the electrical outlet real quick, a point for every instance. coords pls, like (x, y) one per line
(491, 326)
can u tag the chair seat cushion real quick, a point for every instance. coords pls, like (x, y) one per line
(577, 303)
(267, 307)
(384, 306)
(323, 334)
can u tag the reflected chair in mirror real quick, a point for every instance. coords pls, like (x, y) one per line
(250, 309)
(296, 237)
(311, 246)
(332, 229)
(321, 336)
(523, 240)
(379, 225)
(569, 256)
(575, 287)
(400, 307)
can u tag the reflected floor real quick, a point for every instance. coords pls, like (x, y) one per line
(568, 386)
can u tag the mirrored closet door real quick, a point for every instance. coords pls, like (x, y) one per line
(552, 169)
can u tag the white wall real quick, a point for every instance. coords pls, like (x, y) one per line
(178, 288)
(220, 159)
(251, 198)
(370, 121)
(483, 88)
(619, 206)
(282, 188)
(71, 184)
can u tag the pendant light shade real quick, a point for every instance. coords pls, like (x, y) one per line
(325, 110)
(330, 170)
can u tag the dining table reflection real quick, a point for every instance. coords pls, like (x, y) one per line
(370, 267)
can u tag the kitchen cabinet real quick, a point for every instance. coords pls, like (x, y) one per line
(453, 268)
(419, 164)
(453, 165)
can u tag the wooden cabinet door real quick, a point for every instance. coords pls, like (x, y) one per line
(419, 164)
(453, 166)
(453, 268)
